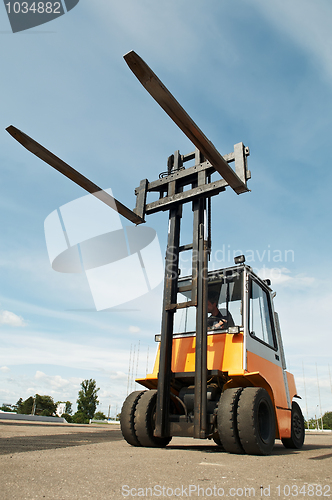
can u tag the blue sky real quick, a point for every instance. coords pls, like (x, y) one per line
(256, 72)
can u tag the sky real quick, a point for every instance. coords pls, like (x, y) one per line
(256, 72)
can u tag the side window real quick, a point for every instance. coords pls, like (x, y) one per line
(260, 315)
(225, 301)
(184, 319)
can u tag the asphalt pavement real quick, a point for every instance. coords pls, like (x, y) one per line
(62, 461)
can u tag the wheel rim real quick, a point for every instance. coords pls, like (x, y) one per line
(297, 426)
(264, 421)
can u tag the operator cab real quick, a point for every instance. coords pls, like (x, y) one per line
(245, 303)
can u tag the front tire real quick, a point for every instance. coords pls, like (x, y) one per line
(145, 421)
(227, 420)
(297, 430)
(256, 421)
(127, 418)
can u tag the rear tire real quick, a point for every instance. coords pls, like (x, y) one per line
(256, 421)
(227, 420)
(127, 418)
(145, 421)
(297, 433)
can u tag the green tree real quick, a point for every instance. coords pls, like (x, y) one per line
(25, 407)
(327, 420)
(99, 416)
(80, 418)
(69, 409)
(39, 405)
(67, 417)
(45, 406)
(312, 423)
(18, 405)
(7, 408)
(88, 398)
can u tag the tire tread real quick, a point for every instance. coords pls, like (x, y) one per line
(142, 421)
(248, 422)
(127, 418)
(227, 420)
(293, 442)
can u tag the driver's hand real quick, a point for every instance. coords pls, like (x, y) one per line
(221, 323)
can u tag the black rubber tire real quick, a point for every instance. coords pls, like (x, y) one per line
(227, 420)
(297, 433)
(127, 418)
(145, 421)
(217, 440)
(256, 421)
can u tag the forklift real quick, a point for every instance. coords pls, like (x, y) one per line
(223, 376)
(221, 379)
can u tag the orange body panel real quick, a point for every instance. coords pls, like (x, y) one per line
(291, 385)
(249, 379)
(272, 373)
(224, 353)
(284, 421)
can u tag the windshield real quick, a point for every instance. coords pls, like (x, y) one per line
(224, 303)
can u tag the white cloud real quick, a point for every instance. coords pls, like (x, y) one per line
(283, 276)
(53, 385)
(118, 376)
(5, 369)
(56, 382)
(51, 351)
(134, 329)
(11, 319)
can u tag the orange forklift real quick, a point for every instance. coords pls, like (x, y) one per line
(222, 376)
(248, 400)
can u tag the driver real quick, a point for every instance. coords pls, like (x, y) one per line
(216, 320)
